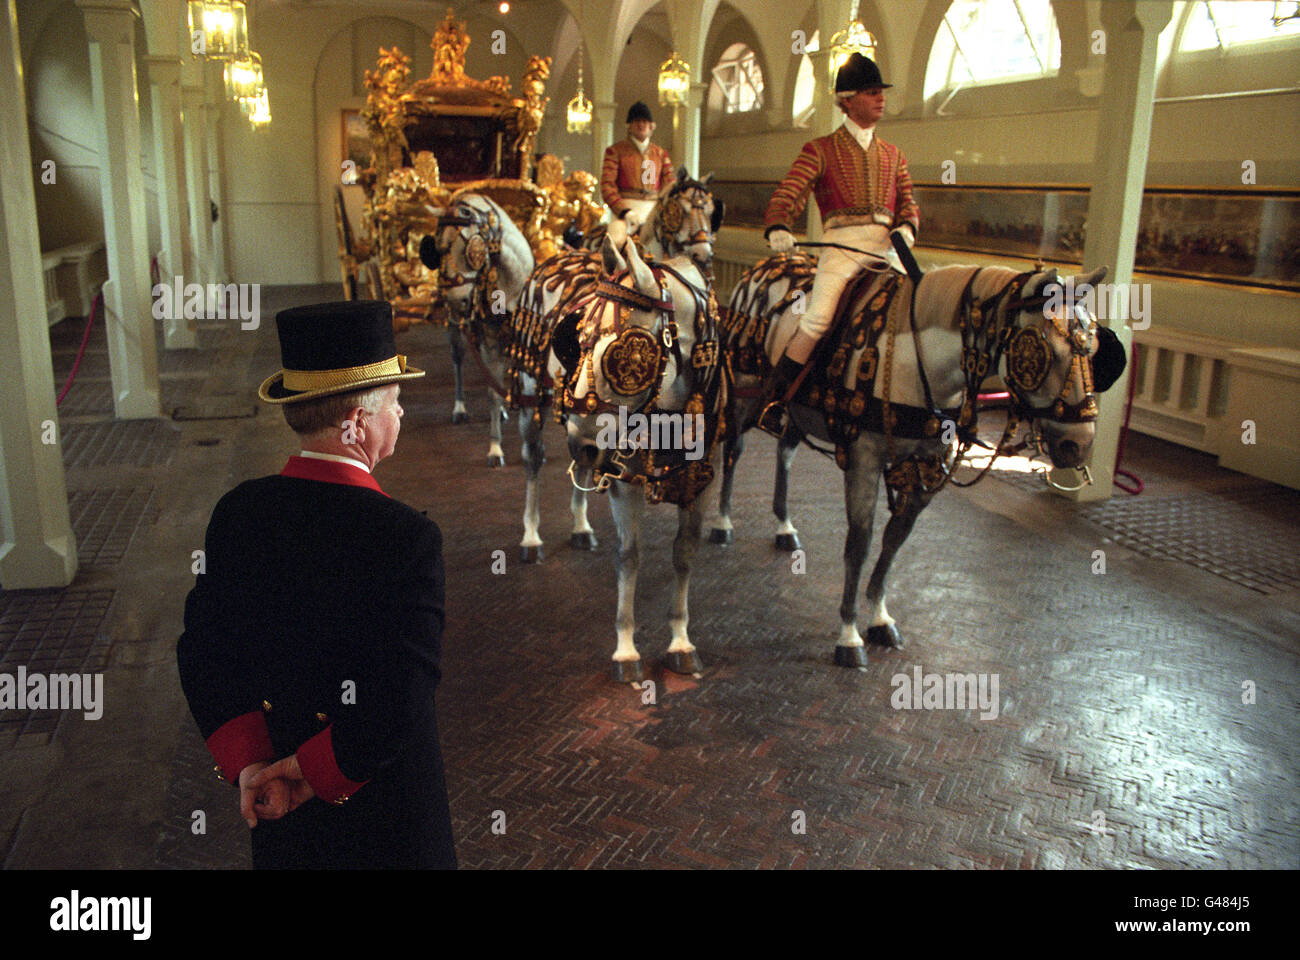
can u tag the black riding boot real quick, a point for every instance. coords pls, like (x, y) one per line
(769, 411)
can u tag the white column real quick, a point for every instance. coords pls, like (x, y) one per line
(37, 548)
(688, 20)
(110, 28)
(165, 75)
(212, 111)
(602, 132)
(1123, 137)
(692, 113)
(196, 185)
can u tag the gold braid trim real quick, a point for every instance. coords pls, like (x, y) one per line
(303, 380)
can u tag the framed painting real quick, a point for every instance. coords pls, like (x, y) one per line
(356, 139)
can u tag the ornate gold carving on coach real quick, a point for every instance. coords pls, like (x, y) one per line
(450, 41)
(631, 363)
(1029, 358)
(535, 100)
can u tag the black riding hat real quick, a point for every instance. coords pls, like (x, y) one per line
(858, 73)
(639, 111)
(330, 348)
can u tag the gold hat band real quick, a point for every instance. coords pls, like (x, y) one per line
(303, 380)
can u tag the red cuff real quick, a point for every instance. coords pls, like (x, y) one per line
(239, 742)
(316, 757)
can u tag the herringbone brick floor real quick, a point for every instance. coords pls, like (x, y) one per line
(1121, 738)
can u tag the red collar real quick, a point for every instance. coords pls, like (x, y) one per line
(329, 471)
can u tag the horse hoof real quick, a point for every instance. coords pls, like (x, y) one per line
(684, 662)
(850, 656)
(724, 537)
(626, 671)
(460, 417)
(530, 554)
(885, 635)
(496, 460)
(582, 541)
(787, 542)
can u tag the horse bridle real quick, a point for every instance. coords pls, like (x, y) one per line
(1029, 360)
(671, 218)
(627, 362)
(482, 232)
(634, 364)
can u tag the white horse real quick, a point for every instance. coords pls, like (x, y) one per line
(683, 224)
(895, 387)
(483, 261)
(643, 389)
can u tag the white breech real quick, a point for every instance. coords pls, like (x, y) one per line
(835, 268)
(637, 212)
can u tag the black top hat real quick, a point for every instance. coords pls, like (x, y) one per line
(330, 348)
(639, 111)
(858, 73)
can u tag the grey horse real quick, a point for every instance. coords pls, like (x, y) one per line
(937, 341)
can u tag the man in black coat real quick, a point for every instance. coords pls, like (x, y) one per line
(312, 641)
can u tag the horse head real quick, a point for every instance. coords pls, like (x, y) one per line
(1057, 359)
(627, 336)
(480, 256)
(686, 219)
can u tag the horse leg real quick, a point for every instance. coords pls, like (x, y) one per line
(861, 485)
(457, 341)
(533, 453)
(682, 657)
(583, 537)
(496, 406)
(787, 537)
(721, 529)
(627, 504)
(882, 630)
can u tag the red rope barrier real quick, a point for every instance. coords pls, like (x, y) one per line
(1123, 433)
(85, 338)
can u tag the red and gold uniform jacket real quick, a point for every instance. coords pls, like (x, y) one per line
(622, 174)
(852, 186)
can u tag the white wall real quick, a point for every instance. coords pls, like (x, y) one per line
(62, 127)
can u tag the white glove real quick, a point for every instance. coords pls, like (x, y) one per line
(906, 233)
(780, 241)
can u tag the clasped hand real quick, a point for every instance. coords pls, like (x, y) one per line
(267, 791)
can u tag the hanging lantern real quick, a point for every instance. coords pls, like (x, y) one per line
(259, 114)
(578, 112)
(220, 28)
(674, 81)
(854, 38)
(244, 77)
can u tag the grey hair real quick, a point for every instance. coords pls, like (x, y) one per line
(326, 414)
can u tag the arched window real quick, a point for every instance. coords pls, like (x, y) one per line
(992, 41)
(805, 84)
(738, 79)
(1213, 24)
